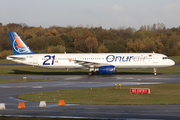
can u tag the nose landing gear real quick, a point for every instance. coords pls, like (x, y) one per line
(155, 73)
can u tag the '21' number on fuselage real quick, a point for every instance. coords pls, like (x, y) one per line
(47, 61)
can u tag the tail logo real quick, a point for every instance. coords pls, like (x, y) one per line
(19, 45)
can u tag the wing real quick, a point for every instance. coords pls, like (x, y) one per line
(88, 64)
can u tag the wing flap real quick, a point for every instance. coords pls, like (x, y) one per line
(88, 64)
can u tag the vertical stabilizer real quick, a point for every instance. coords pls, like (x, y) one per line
(18, 45)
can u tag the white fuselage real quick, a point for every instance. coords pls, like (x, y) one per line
(119, 60)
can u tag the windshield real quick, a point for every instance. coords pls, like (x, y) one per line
(165, 58)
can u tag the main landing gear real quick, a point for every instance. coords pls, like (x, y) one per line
(90, 73)
(155, 73)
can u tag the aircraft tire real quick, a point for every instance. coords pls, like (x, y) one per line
(155, 74)
(90, 74)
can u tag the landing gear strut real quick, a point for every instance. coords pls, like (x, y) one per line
(91, 71)
(155, 72)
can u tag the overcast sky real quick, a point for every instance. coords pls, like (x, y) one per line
(105, 13)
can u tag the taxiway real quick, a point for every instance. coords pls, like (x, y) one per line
(10, 91)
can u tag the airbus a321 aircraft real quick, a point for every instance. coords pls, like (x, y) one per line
(95, 62)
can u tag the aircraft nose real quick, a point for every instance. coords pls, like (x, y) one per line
(172, 62)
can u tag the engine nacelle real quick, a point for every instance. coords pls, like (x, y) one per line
(106, 69)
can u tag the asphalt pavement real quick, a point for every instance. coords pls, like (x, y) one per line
(10, 91)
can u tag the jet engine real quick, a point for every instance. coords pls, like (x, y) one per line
(106, 69)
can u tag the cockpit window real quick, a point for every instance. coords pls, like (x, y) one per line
(165, 58)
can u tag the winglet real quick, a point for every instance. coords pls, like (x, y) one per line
(69, 60)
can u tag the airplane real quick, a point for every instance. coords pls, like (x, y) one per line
(104, 63)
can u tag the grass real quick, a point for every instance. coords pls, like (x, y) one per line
(4, 80)
(160, 94)
(170, 70)
(30, 70)
(4, 61)
(175, 58)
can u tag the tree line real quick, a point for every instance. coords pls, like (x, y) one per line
(55, 39)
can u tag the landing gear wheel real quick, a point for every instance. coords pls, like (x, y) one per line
(155, 73)
(89, 73)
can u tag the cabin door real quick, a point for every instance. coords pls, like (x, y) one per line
(79, 57)
(155, 58)
(35, 59)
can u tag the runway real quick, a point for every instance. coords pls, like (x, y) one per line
(10, 91)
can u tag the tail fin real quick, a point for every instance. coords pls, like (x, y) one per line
(18, 45)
